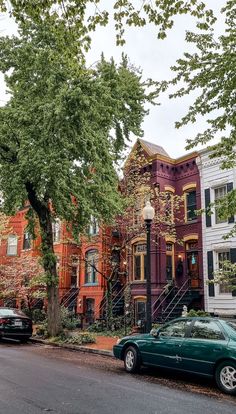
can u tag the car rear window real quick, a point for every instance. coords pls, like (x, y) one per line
(232, 325)
(11, 312)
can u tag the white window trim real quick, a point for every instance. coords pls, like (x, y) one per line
(216, 267)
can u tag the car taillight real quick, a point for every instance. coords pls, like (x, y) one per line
(4, 321)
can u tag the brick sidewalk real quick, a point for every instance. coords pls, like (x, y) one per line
(103, 343)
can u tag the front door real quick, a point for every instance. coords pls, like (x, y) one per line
(89, 314)
(165, 349)
(205, 345)
(193, 270)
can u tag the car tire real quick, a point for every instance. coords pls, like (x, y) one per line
(132, 359)
(225, 376)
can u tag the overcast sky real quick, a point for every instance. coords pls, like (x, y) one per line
(154, 57)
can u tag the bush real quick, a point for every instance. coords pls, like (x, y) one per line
(194, 313)
(68, 319)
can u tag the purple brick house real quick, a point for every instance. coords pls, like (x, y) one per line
(176, 267)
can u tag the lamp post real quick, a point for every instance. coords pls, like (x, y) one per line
(148, 215)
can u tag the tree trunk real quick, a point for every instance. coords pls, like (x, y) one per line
(43, 212)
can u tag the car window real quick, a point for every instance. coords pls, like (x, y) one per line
(206, 330)
(11, 312)
(175, 329)
(232, 325)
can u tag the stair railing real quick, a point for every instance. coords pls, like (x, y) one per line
(119, 295)
(70, 294)
(99, 308)
(183, 289)
(163, 292)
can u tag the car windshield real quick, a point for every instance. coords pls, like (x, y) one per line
(11, 312)
(232, 324)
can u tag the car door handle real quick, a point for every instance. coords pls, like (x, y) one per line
(217, 349)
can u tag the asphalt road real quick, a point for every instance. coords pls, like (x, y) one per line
(36, 379)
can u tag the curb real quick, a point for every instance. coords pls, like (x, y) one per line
(78, 348)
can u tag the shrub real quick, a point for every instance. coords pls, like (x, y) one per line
(194, 313)
(68, 319)
(82, 338)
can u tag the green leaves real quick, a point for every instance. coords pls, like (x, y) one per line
(65, 126)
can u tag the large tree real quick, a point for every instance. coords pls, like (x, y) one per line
(209, 73)
(55, 143)
(61, 133)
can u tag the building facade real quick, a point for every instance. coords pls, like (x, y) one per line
(176, 264)
(215, 183)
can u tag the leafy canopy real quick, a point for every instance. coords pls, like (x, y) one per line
(65, 125)
(77, 18)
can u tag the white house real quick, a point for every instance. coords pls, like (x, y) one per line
(215, 183)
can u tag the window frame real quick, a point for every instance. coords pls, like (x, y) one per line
(56, 231)
(141, 255)
(27, 240)
(187, 218)
(171, 253)
(93, 277)
(11, 236)
(216, 218)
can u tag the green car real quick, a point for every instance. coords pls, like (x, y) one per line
(205, 346)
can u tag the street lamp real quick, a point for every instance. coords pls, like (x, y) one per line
(148, 215)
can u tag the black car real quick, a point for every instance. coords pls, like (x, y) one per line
(14, 324)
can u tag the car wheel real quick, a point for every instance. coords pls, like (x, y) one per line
(225, 376)
(132, 360)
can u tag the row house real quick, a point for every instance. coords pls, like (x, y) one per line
(176, 267)
(216, 183)
(181, 265)
(19, 254)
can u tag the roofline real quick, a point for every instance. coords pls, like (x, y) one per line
(175, 161)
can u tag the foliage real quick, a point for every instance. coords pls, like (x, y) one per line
(225, 275)
(75, 21)
(57, 148)
(24, 281)
(195, 313)
(209, 72)
(76, 338)
(68, 319)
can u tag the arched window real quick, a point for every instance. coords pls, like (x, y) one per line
(12, 245)
(139, 261)
(91, 259)
(27, 241)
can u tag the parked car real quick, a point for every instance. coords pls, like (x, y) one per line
(14, 324)
(205, 346)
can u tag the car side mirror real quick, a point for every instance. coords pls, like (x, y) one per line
(154, 332)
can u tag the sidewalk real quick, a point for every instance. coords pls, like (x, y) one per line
(103, 345)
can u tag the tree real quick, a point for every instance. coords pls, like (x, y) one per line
(75, 20)
(56, 144)
(23, 282)
(210, 72)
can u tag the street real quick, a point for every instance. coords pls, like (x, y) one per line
(36, 379)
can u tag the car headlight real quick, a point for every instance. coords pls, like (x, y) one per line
(118, 341)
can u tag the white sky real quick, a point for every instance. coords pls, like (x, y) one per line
(154, 57)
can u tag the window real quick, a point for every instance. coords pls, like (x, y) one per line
(12, 245)
(169, 207)
(140, 310)
(93, 227)
(91, 258)
(56, 231)
(175, 329)
(169, 261)
(191, 205)
(73, 281)
(221, 258)
(206, 330)
(26, 241)
(140, 257)
(220, 192)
